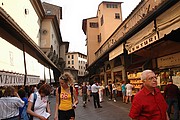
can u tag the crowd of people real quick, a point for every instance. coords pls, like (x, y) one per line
(33, 103)
(148, 103)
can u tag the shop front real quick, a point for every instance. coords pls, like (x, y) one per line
(169, 68)
(118, 81)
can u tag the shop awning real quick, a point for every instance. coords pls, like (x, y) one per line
(143, 38)
(168, 20)
(117, 51)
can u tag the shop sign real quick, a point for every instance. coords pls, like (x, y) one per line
(168, 61)
(32, 80)
(143, 43)
(12, 79)
(7, 79)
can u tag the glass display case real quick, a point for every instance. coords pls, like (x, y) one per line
(135, 80)
(166, 74)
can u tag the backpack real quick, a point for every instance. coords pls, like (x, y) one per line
(34, 100)
(71, 90)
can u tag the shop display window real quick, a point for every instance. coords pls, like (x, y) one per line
(135, 80)
(118, 80)
(167, 74)
(176, 76)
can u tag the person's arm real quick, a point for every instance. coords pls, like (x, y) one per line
(21, 102)
(109, 88)
(29, 110)
(48, 107)
(76, 101)
(56, 105)
(167, 116)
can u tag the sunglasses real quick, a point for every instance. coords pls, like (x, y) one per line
(63, 78)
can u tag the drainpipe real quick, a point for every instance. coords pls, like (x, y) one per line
(25, 69)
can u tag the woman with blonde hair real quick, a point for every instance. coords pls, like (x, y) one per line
(66, 98)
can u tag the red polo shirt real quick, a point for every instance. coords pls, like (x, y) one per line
(147, 106)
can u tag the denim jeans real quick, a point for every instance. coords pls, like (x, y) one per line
(173, 102)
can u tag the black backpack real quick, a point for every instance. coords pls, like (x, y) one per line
(34, 100)
(71, 90)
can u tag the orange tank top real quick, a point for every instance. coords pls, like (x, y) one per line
(65, 100)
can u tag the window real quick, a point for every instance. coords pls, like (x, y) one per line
(72, 56)
(48, 12)
(93, 24)
(117, 16)
(68, 62)
(111, 5)
(72, 62)
(102, 20)
(99, 38)
(68, 56)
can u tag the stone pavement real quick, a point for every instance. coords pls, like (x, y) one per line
(109, 110)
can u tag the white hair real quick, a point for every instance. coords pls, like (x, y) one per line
(144, 74)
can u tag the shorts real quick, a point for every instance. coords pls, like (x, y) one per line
(124, 93)
(66, 115)
(128, 92)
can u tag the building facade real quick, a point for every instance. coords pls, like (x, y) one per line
(23, 58)
(98, 29)
(77, 61)
(146, 39)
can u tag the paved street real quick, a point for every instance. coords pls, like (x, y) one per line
(110, 110)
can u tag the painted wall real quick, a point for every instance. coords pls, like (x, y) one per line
(24, 15)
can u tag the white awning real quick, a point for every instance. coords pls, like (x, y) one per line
(117, 51)
(169, 20)
(143, 38)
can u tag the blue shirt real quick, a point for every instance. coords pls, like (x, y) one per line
(123, 87)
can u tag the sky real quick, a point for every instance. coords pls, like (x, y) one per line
(74, 11)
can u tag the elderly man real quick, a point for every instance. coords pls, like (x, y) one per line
(149, 104)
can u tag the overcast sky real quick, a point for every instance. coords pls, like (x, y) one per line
(74, 11)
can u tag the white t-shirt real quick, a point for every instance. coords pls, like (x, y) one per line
(129, 87)
(9, 107)
(40, 105)
(95, 88)
(113, 87)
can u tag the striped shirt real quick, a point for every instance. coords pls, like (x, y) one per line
(9, 107)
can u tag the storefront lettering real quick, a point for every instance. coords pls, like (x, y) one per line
(16, 79)
(143, 44)
(170, 60)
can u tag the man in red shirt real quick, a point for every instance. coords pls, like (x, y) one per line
(148, 103)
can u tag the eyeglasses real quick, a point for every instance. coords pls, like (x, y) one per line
(63, 78)
(151, 78)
